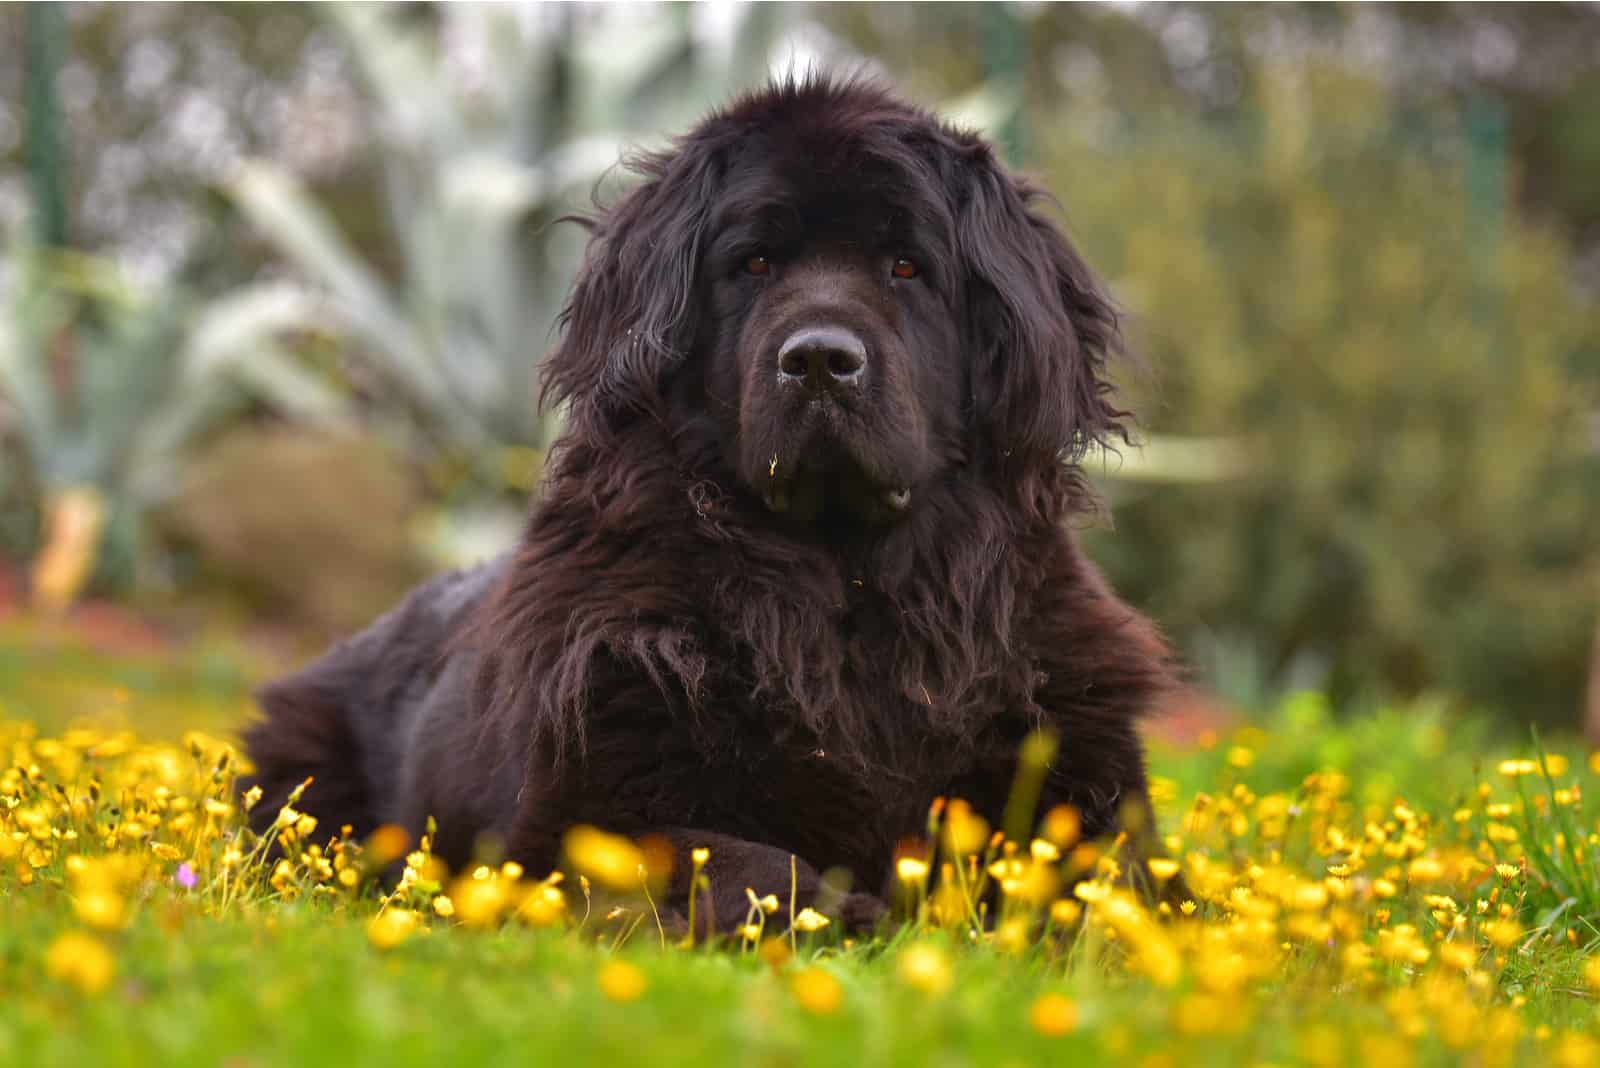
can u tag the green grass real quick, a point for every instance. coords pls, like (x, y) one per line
(306, 988)
(298, 982)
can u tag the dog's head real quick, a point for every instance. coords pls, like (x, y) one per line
(850, 299)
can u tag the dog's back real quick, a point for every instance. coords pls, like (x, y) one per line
(347, 720)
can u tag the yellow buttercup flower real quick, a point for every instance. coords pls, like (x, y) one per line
(911, 869)
(543, 906)
(926, 968)
(609, 859)
(1163, 868)
(80, 960)
(391, 927)
(817, 991)
(1053, 1015)
(621, 981)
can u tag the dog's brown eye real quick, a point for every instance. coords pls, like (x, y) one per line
(904, 268)
(757, 265)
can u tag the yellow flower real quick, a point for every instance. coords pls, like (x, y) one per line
(543, 906)
(391, 927)
(700, 856)
(1062, 826)
(810, 920)
(1426, 870)
(911, 869)
(388, 843)
(1462, 956)
(966, 832)
(1091, 892)
(1507, 871)
(1502, 934)
(925, 967)
(81, 960)
(1575, 1050)
(1065, 913)
(817, 991)
(1512, 769)
(1053, 1015)
(622, 982)
(609, 859)
(1012, 936)
(444, 906)
(478, 902)
(100, 908)
(1163, 868)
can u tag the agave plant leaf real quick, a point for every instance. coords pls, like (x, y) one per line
(401, 68)
(238, 335)
(358, 302)
(32, 315)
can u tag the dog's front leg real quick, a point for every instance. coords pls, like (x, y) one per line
(736, 867)
(732, 869)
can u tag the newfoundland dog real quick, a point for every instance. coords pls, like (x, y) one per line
(801, 561)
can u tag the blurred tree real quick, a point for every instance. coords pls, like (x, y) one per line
(1422, 501)
(1202, 60)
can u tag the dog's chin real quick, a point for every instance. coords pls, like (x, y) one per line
(836, 491)
(835, 496)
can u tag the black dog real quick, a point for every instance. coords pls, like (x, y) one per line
(800, 563)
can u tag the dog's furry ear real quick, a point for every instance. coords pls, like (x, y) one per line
(1042, 327)
(631, 316)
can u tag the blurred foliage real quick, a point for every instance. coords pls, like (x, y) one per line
(159, 101)
(1423, 499)
(107, 388)
(323, 537)
(1541, 62)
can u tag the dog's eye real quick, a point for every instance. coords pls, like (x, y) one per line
(757, 265)
(904, 268)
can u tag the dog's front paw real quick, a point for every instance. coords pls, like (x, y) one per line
(861, 912)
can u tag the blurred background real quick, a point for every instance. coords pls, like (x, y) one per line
(275, 281)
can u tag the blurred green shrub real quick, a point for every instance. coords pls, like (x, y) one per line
(315, 529)
(1330, 285)
(107, 390)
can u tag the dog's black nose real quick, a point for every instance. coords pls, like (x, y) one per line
(824, 358)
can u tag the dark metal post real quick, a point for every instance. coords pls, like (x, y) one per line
(46, 160)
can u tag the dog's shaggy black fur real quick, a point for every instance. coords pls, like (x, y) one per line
(801, 561)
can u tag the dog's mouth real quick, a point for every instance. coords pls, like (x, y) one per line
(842, 492)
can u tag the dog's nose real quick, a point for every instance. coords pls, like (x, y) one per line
(823, 358)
